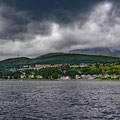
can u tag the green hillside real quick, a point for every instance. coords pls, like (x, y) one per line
(55, 59)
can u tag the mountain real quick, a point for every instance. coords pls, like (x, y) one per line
(104, 51)
(56, 59)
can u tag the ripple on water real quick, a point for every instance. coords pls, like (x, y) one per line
(59, 100)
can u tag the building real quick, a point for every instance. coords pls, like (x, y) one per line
(83, 76)
(77, 77)
(42, 66)
(39, 76)
(77, 66)
(92, 78)
(74, 66)
(37, 67)
(65, 78)
(57, 65)
(114, 76)
(22, 76)
(31, 76)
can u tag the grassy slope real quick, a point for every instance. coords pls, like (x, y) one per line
(106, 69)
(66, 58)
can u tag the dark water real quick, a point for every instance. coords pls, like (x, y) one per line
(59, 100)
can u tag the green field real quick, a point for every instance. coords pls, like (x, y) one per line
(107, 69)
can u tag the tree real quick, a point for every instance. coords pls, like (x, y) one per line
(55, 75)
(97, 65)
(99, 71)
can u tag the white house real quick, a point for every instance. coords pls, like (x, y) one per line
(39, 76)
(22, 76)
(83, 76)
(31, 76)
(77, 77)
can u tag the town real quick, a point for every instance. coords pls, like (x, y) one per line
(63, 72)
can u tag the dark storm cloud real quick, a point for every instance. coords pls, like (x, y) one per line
(12, 22)
(62, 11)
(35, 27)
(20, 14)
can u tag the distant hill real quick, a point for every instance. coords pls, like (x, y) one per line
(51, 54)
(56, 59)
(105, 51)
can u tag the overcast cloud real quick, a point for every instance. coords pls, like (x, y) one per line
(21, 33)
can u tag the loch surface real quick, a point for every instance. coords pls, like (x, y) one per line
(59, 100)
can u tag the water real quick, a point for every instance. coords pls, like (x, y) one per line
(59, 100)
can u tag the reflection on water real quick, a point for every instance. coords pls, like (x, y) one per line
(59, 100)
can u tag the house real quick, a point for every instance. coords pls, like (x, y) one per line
(22, 76)
(83, 65)
(31, 76)
(26, 66)
(77, 77)
(42, 66)
(114, 76)
(37, 67)
(83, 76)
(65, 78)
(57, 65)
(95, 76)
(39, 76)
(107, 76)
(74, 66)
(92, 78)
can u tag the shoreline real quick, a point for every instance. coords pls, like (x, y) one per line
(74, 80)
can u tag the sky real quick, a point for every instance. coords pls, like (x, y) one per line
(30, 28)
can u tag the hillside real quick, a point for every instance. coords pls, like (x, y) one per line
(105, 51)
(51, 54)
(55, 59)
